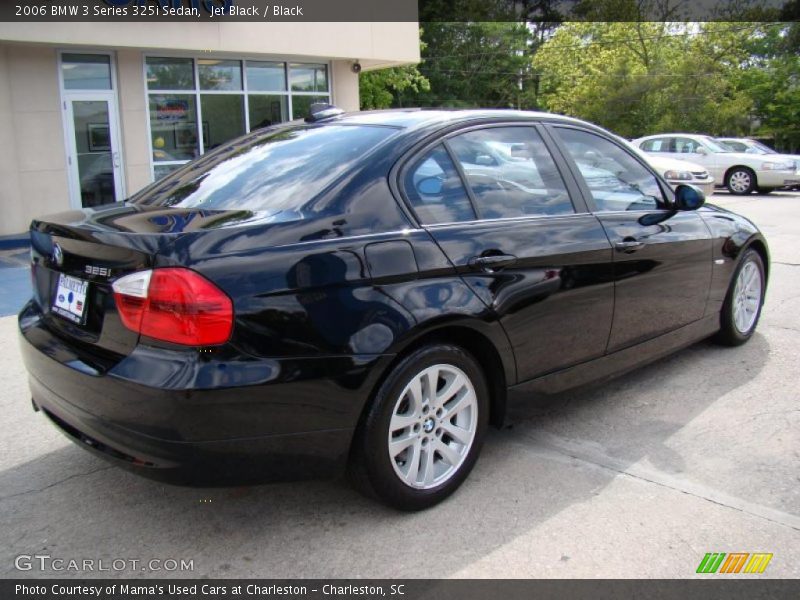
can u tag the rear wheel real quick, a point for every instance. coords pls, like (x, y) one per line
(742, 307)
(424, 429)
(740, 181)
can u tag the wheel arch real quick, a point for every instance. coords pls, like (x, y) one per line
(759, 246)
(499, 371)
(730, 169)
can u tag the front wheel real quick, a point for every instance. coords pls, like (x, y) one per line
(423, 430)
(742, 307)
(740, 181)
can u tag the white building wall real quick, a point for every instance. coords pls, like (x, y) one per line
(33, 164)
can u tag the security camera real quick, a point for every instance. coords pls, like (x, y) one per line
(356, 68)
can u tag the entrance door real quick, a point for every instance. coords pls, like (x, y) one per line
(93, 158)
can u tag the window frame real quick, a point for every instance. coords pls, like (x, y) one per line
(243, 93)
(400, 170)
(666, 190)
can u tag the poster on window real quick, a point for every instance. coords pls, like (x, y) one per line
(171, 109)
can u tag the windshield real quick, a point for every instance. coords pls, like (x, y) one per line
(714, 146)
(267, 171)
(763, 148)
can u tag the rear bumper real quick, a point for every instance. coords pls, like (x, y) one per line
(173, 421)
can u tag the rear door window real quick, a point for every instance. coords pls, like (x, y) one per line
(657, 145)
(435, 189)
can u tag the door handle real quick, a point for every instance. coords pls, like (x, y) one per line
(115, 158)
(629, 245)
(492, 262)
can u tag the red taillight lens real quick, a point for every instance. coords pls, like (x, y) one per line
(175, 305)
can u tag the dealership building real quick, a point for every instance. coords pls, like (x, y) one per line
(92, 112)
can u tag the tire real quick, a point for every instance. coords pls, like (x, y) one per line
(765, 191)
(740, 181)
(733, 331)
(385, 472)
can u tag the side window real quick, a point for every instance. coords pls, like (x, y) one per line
(435, 189)
(736, 146)
(686, 145)
(616, 180)
(511, 173)
(655, 145)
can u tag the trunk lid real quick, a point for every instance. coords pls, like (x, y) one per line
(76, 256)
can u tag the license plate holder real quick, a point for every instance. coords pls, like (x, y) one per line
(69, 300)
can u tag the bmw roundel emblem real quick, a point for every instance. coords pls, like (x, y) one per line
(58, 255)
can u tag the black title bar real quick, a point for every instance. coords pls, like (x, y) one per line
(711, 588)
(189, 11)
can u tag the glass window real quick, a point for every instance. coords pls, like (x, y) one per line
(266, 76)
(656, 145)
(309, 78)
(301, 105)
(733, 145)
(221, 75)
(435, 189)
(223, 118)
(511, 173)
(616, 180)
(86, 71)
(686, 145)
(267, 110)
(711, 144)
(173, 127)
(170, 74)
(277, 173)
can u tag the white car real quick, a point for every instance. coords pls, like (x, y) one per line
(741, 173)
(677, 172)
(749, 146)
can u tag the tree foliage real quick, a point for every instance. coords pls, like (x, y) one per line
(648, 77)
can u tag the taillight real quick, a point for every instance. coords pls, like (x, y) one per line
(175, 305)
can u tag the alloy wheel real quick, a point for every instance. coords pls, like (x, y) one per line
(433, 426)
(747, 297)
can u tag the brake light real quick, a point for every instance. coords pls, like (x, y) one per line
(175, 305)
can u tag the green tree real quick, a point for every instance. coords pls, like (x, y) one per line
(481, 64)
(772, 80)
(637, 78)
(385, 88)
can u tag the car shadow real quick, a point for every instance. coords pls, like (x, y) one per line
(70, 504)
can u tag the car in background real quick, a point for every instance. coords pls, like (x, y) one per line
(678, 172)
(365, 291)
(740, 172)
(750, 146)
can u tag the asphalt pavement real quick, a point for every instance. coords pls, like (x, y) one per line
(639, 477)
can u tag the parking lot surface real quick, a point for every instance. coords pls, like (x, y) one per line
(639, 477)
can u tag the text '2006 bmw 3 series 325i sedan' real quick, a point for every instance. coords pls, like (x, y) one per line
(363, 292)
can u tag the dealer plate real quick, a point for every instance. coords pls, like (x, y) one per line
(70, 298)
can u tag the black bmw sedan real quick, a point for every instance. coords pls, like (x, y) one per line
(365, 292)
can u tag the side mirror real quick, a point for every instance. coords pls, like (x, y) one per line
(689, 197)
(701, 150)
(430, 186)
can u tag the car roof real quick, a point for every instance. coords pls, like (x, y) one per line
(689, 135)
(411, 118)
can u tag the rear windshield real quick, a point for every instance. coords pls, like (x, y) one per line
(269, 172)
